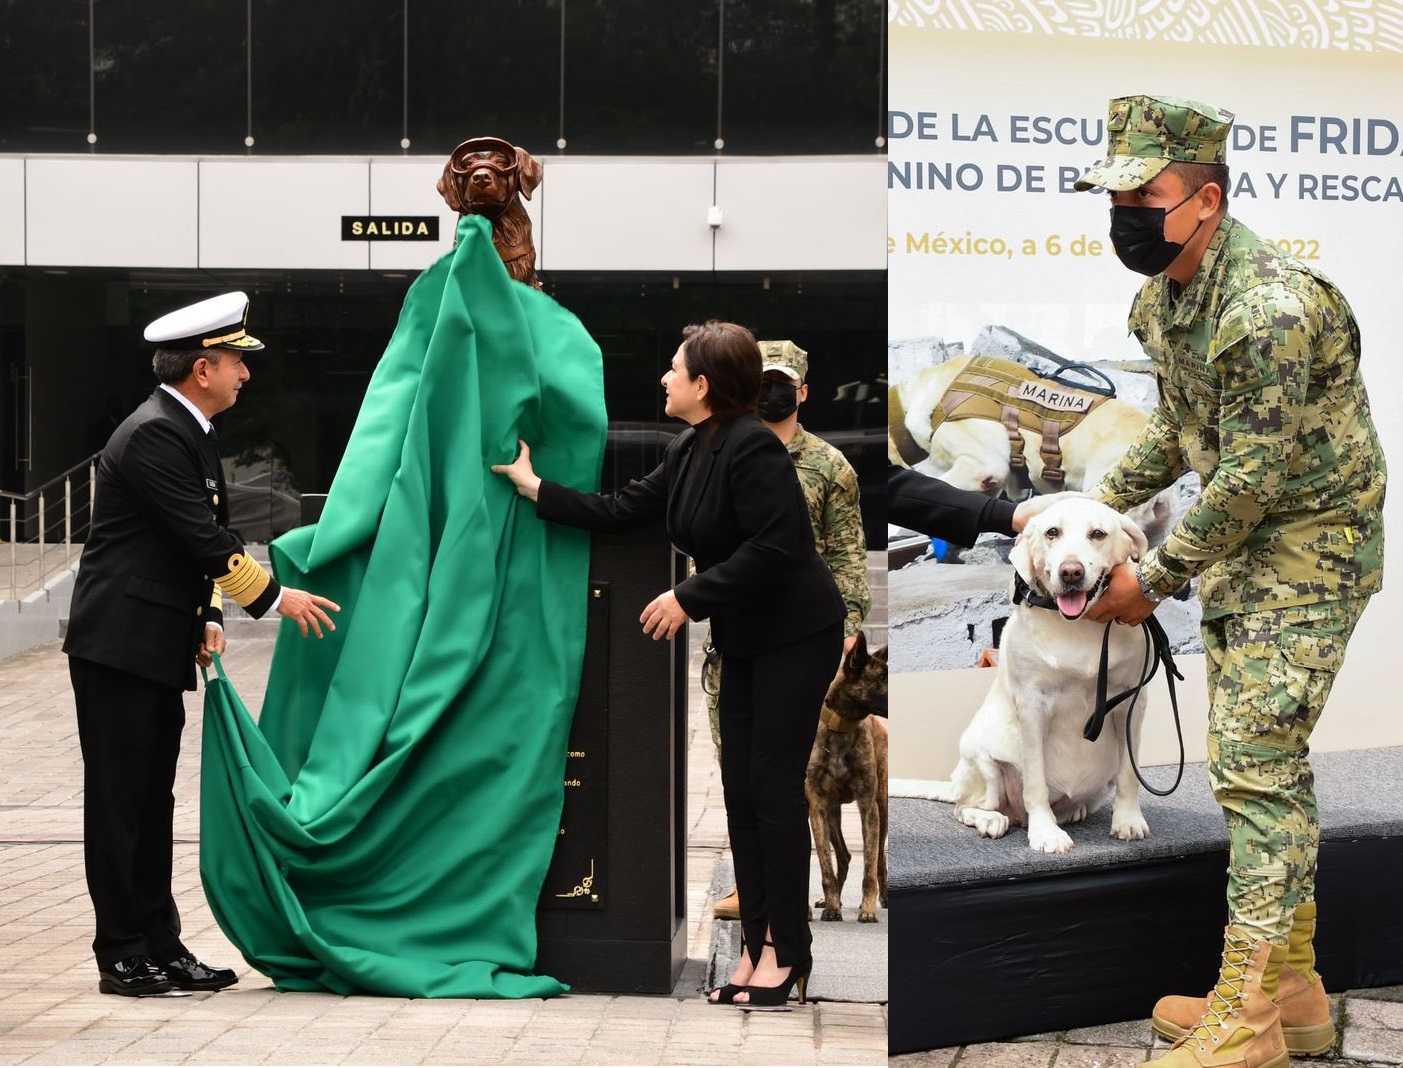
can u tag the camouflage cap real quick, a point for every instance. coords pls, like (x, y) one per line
(785, 356)
(1145, 134)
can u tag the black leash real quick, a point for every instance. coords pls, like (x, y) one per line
(1156, 652)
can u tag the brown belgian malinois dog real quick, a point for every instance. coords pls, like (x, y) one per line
(849, 764)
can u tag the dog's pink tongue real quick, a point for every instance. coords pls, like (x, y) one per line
(1072, 604)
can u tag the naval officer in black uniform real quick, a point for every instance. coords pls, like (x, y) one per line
(146, 609)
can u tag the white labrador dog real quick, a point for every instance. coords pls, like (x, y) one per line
(1023, 759)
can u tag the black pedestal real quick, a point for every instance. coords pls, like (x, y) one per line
(612, 915)
(312, 505)
(992, 941)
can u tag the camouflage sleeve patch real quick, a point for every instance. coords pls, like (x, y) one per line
(1246, 347)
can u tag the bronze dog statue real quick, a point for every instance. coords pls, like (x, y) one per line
(484, 176)
(849, 763)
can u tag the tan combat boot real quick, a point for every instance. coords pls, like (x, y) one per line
(1241, 1025)
(728, 908)
(1300, 995)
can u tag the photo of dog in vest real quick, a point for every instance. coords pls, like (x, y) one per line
(1013, 420)
(990, 424)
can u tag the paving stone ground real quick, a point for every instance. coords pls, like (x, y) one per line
(51, 1012)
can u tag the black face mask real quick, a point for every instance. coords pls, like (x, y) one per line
(1137, 235)
(778, 401)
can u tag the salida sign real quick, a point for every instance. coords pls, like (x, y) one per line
(389, 228)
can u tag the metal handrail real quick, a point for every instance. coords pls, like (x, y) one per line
(88, 462)
(70, 534)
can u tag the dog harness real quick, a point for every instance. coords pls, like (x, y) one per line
(1021, 399)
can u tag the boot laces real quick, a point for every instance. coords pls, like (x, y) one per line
(1227, 996)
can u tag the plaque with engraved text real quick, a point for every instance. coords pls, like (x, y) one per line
(576, 877)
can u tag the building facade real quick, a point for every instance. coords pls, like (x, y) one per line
(720, 162)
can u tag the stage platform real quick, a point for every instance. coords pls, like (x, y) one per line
(990, 940)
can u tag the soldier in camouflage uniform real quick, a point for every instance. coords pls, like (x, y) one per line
(1257, 359)
(830, 489)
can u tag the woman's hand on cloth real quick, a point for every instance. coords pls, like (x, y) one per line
(520, 471)
(663, 617)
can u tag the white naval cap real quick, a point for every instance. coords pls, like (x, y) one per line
(217, 323)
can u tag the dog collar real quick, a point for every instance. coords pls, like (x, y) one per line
(1023, 592)
(835, 722)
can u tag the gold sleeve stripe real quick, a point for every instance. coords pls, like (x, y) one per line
(216, 599)
(245, 581)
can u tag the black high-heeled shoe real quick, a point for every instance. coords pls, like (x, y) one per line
(726, 995)
(776, 998)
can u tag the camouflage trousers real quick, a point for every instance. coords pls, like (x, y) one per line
(711, 691)
(1269, 674)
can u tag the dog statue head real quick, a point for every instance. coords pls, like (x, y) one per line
(484, 175)
(488, 176)
(860, 689)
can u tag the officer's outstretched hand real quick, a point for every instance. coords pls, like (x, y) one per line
(307, 610)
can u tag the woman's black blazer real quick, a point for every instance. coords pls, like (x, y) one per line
(732, 502)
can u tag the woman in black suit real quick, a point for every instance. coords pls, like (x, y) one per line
(730, 496)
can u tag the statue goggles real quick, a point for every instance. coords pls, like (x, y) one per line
(484, 152)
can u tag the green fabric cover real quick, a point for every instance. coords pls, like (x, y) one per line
(387, 824)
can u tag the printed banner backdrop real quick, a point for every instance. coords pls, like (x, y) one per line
(996, 108)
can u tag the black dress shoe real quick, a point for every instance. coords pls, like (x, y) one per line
(133, 977)
(186, 973)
